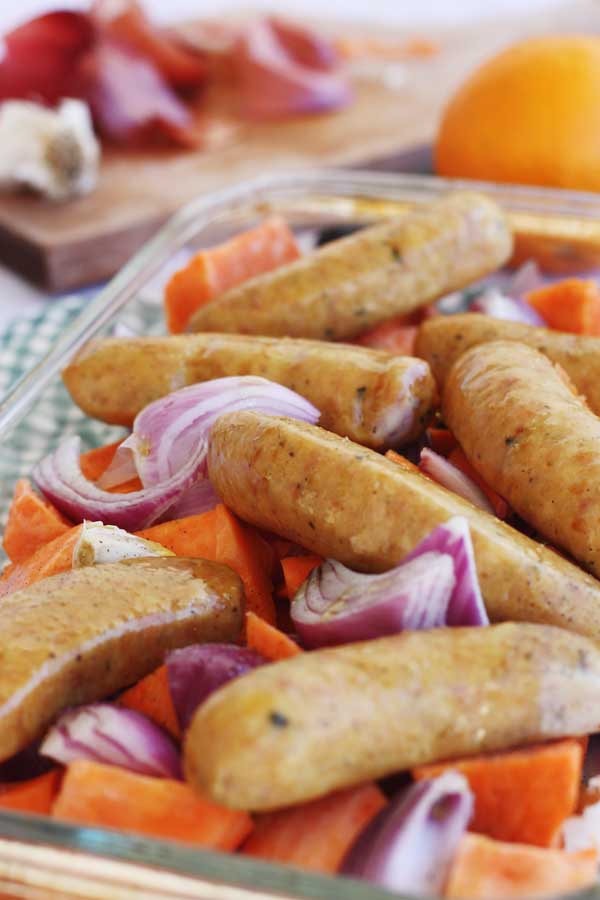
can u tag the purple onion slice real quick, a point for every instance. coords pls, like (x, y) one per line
(169, 446)
(196, 671)
(106, 733)
(450, 476)
(410, 845)
(466, 605)
(337, 606)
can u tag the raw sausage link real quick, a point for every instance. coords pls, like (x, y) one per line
(344, 501)
(295, 730)
(441, 341)
(535, 442)
(86, 634)
(350, 285)
(373, 397)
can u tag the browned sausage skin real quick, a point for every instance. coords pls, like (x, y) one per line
(344, 501)
(375, 398)
(532, 440)
(440, 341)
(353, 284)
(328, 719)
(90, 632)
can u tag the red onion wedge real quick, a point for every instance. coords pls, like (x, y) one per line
(106, 733)
(466, 605)
(275, 85)
(195, 672)
(337, 606)
(130, 100)
(410, 845)
(60, 479)
(125, 21)
(492, 303)
(170, 446)
(434, 586)
(167, 432)
(449, 476)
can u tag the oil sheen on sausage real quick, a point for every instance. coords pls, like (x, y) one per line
(344, 501)
(373, 397)
(443, 339)
(328, 719)
(84, 634)
(353, 284)
(532, 439)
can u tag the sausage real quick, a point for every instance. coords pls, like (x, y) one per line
(532, 439)
(441, 341)
(325, 720)
(353, 284)
(344, 501)
(90, 632)
(373, 397)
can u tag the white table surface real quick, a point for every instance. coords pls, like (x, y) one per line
(17, 297)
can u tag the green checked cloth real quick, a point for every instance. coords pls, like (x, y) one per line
(54, 416)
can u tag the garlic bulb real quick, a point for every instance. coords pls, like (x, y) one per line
(53, 151)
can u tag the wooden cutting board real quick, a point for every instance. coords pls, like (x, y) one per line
(86, 240)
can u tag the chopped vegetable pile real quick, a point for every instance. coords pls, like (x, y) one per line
(359, 660)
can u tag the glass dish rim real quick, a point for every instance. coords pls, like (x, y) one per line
(335, 185)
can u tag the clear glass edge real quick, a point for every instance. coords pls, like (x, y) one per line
(199, 213)
(218, 870)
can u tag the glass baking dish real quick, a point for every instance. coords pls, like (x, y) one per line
(41, 858)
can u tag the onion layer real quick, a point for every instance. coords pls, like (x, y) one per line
(195, 672)
(106, 733)
(434, 586)
(449, 476)
(337, 606)
(410, 845)
(466, 605)
(170, 430)
(170, 447)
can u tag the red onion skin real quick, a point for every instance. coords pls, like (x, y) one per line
(106, 733)
(196, 671)
(409, 846)
(388, 616)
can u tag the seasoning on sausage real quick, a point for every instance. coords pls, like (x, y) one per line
(353, 284)
(532, 439)
(325, 720)
(84, 634)
(441, 341)
(375, 398)
(344, 501)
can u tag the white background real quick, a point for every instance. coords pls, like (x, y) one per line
(17, 297)
(398, 12)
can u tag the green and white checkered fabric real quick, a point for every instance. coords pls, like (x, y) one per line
(22, 345)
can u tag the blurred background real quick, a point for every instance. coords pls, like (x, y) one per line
(117, 112)
(400, 13)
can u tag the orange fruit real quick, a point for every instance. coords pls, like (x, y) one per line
(530, 115)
